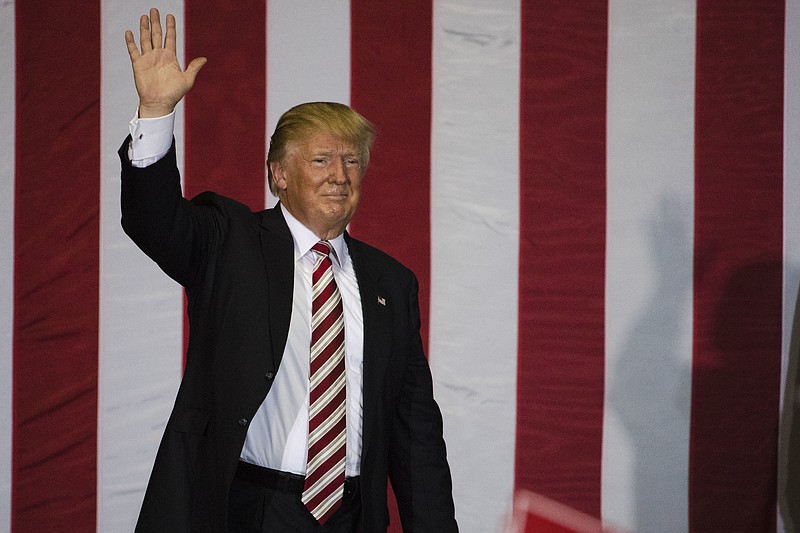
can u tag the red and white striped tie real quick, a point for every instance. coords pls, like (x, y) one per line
(327, 431)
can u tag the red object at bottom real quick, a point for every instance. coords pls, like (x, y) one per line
(533, 513)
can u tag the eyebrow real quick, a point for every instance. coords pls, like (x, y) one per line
(320, 152)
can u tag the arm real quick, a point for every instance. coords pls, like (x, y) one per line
(170, 230)
(177, 234)
(418, 458)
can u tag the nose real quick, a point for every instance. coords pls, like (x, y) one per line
(338, 172)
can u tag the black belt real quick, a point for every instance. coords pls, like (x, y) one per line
(284, 481)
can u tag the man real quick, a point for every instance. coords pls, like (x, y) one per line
(305, 386)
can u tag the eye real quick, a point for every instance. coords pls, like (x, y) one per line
(352, 162)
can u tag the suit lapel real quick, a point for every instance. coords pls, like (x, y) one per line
(277, 248)
(377, 334)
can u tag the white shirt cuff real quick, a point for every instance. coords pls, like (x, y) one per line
(151, 139)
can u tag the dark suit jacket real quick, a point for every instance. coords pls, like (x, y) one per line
(238, 271)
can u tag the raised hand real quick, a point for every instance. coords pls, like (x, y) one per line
(160, 81)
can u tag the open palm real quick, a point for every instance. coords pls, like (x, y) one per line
(160, 81)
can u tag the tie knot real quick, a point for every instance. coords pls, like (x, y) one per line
(323, 248)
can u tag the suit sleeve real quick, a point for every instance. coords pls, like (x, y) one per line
(177, 234)
(418, 458)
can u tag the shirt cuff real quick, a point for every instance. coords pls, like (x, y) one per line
(151, 139)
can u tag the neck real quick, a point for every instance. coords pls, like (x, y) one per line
(327, 235)
(324, 233)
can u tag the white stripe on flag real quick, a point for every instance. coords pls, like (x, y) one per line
(791, 226)
(141, 309)
(650, 197)
(308, 57)
(7, 125)
(475, 249)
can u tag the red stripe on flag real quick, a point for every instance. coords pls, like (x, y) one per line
(562, 251)
(226, 109)
(391, 86)
(56, 267)
(737, 271)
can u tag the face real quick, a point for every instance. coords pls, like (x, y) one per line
(319, 182)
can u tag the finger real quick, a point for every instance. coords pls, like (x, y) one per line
(133, 50)
(171, 38)
(193, 68)
(155, 23)
(144, 34)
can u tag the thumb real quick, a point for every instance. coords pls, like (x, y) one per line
(194, 67)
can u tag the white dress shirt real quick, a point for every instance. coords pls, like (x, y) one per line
(277, 437)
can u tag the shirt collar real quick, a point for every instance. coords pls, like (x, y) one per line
(304, 238)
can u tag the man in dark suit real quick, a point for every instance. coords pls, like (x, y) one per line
(267, 291)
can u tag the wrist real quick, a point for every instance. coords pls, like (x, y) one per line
(154, 110)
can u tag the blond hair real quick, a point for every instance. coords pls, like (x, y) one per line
(303, 121)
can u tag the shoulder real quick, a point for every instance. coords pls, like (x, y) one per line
(231, 209)
(233, 220)
(212, 199)
(366, 254)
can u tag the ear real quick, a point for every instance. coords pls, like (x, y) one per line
(278, 174)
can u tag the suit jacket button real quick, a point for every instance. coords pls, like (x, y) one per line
(243, 422)
(269, 375)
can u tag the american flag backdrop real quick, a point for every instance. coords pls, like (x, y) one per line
(601, 199)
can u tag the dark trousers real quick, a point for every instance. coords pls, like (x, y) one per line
(254, 508)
